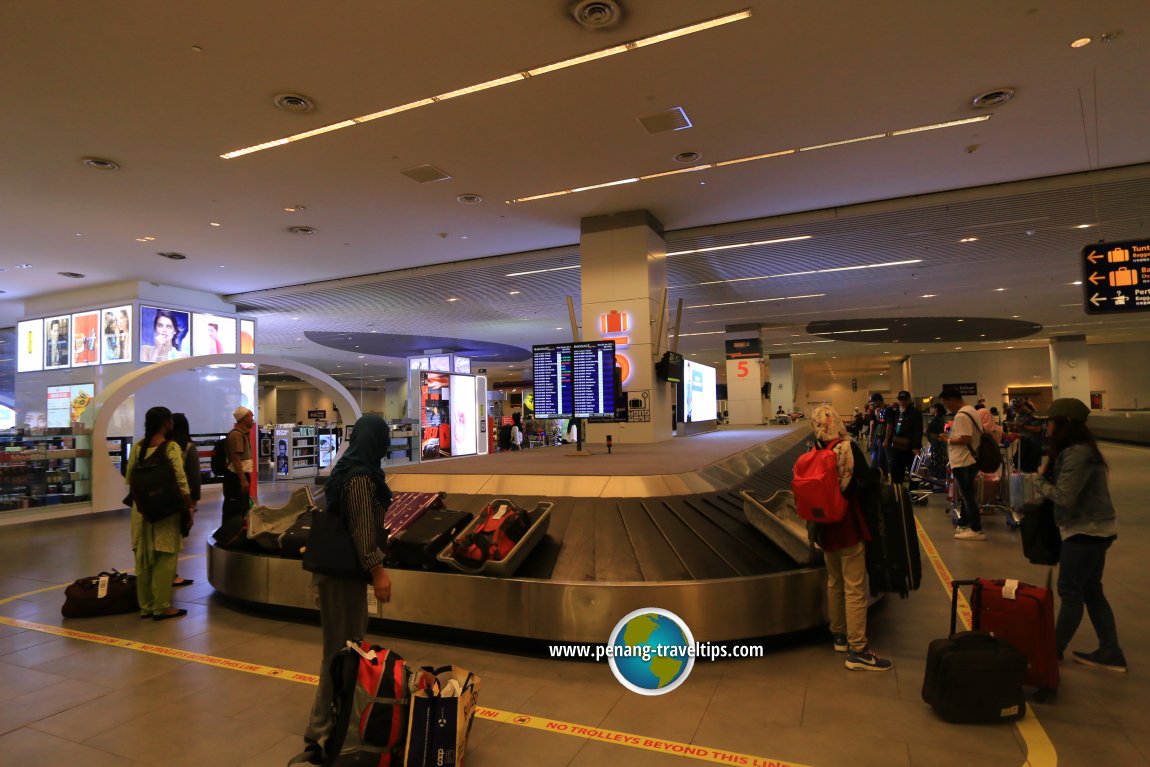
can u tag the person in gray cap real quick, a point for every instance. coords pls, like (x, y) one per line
(237, 479)
(1074, 477)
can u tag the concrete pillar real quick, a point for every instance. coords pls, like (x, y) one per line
(782, 376)
(623, 275)
(745, 378)
(1070, 367)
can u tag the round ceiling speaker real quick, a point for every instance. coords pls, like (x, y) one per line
(294, 103)
(597, 14)
(992, 98)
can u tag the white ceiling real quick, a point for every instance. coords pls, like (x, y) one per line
(125, 82)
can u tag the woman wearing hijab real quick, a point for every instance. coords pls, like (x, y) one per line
(844, 548)
(356, 490)
(157, 544)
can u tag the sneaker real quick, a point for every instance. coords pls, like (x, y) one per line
(840, 641)
(866, 661)
(959, 530)
(970, 535)
(1098, 660)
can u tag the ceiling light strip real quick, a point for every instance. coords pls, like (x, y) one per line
(515, 77)
(755, 301)
(813, 271)
(542, 271)
(740, 245)
(779, 153)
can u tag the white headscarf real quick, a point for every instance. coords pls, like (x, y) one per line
(828, 427)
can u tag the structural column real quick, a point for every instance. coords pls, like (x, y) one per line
(745, 402)
(623, 275)
(782, 372)
(1070, 367)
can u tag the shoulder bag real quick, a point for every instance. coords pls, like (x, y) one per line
(1041, 539)
(330, 549)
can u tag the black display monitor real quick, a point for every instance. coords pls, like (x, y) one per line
(670, 368)
(575, 380)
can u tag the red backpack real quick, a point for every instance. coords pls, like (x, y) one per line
(816, 486)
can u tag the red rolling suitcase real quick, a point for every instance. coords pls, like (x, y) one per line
(1024, 616)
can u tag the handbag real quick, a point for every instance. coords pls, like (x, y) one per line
(331, 550)
(109, 593)
(1041, 539)
(153, 485)
(442, 710)
(900, 443)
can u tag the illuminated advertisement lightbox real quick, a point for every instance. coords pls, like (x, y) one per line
(464, 420)
(117, 335)
(698, 384)
(29, 346)
(85, 339)
(164, 334)
(212, 334)
(57, 342)
(247, 341)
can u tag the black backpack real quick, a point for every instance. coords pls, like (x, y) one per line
(220, 456)
(505, 437)
(154, 489)
(987, 457)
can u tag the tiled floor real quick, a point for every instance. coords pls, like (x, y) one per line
(68, 701)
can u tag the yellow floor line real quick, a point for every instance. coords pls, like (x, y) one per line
(1039, 748)
(614, 737)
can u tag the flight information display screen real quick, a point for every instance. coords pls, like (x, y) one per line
(575, 380)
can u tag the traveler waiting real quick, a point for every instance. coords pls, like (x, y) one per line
(356, 490)
(181, 435)
(880, 425)
(1075, 479)
(962, 443)
(516, 431)
(844, 549)
(1031, 444)
(237, 479)
(157, 544)
(904, 437)
(936, 438)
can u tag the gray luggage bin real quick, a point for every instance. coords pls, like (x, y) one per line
(540, 517)
(775, 518)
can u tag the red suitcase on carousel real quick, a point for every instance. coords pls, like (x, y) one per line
(1024, 616)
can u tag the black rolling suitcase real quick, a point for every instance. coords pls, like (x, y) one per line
(973, 677)
(893, 560)
(418, 545)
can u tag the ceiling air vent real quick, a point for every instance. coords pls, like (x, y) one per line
(597, 14)
(73, 275)
(469, 199)
(669, 120)
(992, 98)
(303, 230)
(173, 256)
(100, 163)
(688, 157)
(294, 103)
(425, 174)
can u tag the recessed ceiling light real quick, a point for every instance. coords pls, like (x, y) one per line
(961, 320)
(1076, 282)
(513, 292)
(969, 239)
(1084, 226)
(958, 347)
(1081, 42)
(213, 223)
(362, 356)
(295, 208)
(999, 290)
(223, 267)
(452, 299)
(295, 318)
(23, 266)
(929, 295)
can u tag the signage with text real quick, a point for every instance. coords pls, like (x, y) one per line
(965, 389)
(1116, 277)
(744, 348)
(317, 415)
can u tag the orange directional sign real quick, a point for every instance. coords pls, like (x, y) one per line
(1116, 277)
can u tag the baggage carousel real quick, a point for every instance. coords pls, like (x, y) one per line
(693, 553)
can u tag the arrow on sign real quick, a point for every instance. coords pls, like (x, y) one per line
(1094, 258)
(1096, 278)
(1096, 299)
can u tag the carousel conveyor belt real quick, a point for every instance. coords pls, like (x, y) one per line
(695, 555)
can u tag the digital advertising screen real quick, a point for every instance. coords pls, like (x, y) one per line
(464, 418)
(435, 420)
(440, 362)
(212, 334)
(85, 339)
(574, 380)
(57, 342)
(247, 341)
(326, 449)
(699, 403)
(29, 346)
(248, 393)
(417, 363)
(165, 334)
(117, 331)
(67, 403)
(462, 364)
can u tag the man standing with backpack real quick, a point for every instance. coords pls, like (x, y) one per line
(965, 435)
(844, 541)
(237, 476)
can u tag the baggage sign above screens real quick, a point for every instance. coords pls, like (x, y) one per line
(575, 380)
(1116, 277)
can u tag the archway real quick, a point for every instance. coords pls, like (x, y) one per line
(108, 485)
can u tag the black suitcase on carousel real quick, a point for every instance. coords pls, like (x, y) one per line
(418, 546)
(973, 677)
(893, 559)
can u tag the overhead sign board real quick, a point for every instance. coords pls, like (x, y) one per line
(317, 415)
(744, 348)
(965, 389)
(1116, 277)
